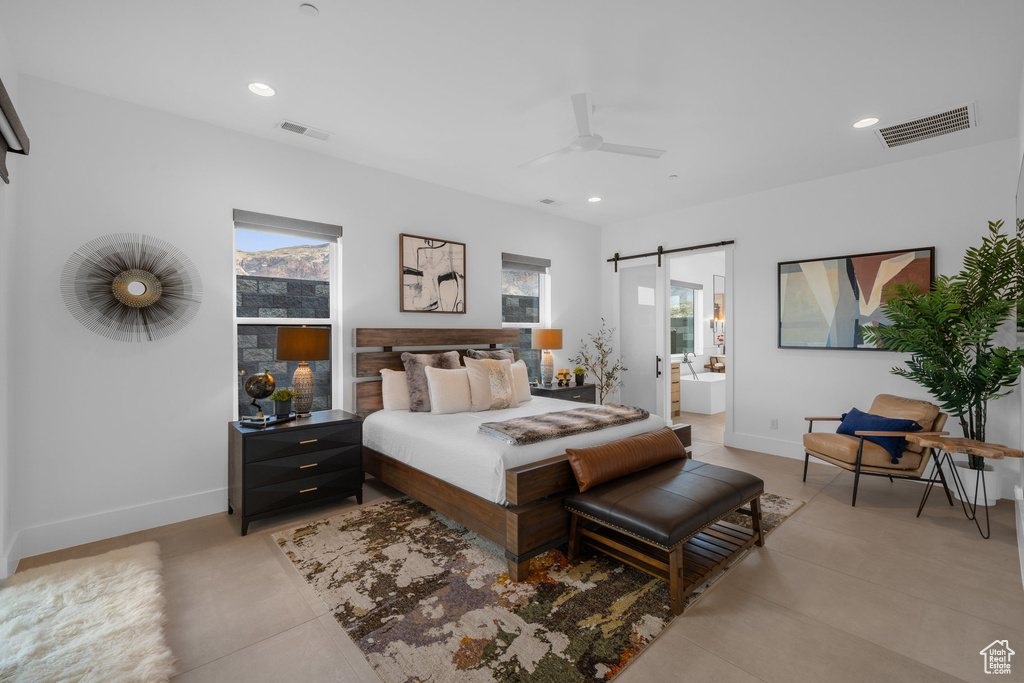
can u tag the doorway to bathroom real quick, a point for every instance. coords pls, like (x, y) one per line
(698, 344)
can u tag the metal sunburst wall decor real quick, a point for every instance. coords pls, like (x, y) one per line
(131, 287)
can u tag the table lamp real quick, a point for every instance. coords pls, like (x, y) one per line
(547, 340)
(303, 344)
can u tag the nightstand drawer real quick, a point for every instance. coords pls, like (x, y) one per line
(578, 394)
(300, 491)
(283, 443)
(277, 470)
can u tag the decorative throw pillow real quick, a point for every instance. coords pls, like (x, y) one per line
(395, 390)
(449, 390)
(490, 384)
(416, 376)
(521, 381)
(857, 421)
(511, 355)
(598, 464)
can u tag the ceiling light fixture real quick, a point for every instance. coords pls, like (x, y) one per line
(594, 199)
(308, 10)
(673, 176)
(864, 123)
(261, 89)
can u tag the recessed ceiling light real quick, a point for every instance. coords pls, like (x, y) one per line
(673, 176)
(261, 89)
(308, 10)
(594, 199)
(864, 123)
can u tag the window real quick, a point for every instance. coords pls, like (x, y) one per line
(285, 274)
(684, 312)
(524, 302)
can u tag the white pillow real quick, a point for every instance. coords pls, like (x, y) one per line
(395, 390)
(490, 383)
(521, 381)
(449, 390)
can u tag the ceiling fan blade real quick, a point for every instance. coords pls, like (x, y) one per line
(582, 107)
(648, 152)
(546, 158)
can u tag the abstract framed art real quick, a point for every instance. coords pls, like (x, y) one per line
(824, 302)
(433, 273)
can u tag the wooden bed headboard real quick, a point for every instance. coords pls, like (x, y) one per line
(375, 351)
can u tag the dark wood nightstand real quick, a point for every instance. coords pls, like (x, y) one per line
(580, 394)
(287, 466)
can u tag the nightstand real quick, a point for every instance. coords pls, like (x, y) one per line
(288, 466)
(586, 393)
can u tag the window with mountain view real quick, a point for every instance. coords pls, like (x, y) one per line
(524, 302)
(281, 279)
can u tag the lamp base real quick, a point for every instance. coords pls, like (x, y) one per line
(302, 385)
(547, 368)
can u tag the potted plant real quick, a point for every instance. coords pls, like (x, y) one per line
(606, 371)
(282, 399)
(949, 333)
(579, 373)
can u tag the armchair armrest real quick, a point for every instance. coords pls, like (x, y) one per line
(824, 419)
(901, 433)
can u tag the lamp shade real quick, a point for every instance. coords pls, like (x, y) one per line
(546, 339)
(303, 343)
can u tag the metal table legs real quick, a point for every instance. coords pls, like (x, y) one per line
(970, 508)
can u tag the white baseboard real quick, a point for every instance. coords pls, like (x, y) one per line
(67, 533)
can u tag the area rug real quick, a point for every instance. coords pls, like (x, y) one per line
(425, 599)
(94, 619)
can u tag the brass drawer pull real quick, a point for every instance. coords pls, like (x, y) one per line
(308, 441)
(312, 464)
(577, 396)
(308, 490)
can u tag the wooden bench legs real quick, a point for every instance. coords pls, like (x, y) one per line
(687, 566)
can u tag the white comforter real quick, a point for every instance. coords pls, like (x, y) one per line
(449, 447)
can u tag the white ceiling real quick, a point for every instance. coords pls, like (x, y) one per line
(745, 95)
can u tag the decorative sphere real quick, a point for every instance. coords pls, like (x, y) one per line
(259, 386)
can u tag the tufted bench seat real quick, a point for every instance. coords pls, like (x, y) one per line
(666, 520)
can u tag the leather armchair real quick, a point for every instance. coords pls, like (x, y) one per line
(860, 456)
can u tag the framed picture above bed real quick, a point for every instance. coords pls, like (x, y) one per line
(433, 273)
(824, 302)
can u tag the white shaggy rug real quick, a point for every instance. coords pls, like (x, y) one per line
(94, 619)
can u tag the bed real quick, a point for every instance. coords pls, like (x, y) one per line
(511, 495)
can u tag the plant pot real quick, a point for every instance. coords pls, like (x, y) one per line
(579, 380)
(969, 478)
(283, 408)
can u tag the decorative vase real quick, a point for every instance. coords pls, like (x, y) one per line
(283, 408)
(986, 496)
(579, 380)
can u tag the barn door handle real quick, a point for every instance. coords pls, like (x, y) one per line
(657, 366)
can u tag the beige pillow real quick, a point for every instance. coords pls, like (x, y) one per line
(490, 384)
(521, 381)
(395, 390)
(449, 390)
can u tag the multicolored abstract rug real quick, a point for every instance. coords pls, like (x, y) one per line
(425, 599)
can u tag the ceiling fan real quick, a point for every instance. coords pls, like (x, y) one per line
(592, 142)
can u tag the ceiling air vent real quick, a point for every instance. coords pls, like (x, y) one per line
(960, 118)
(551, 202)
(292, 127)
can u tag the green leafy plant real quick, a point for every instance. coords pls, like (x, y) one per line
(282, 395)
(580, 370)
(606, 371)
(949, 331)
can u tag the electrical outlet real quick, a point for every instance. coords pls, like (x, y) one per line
(773, 423)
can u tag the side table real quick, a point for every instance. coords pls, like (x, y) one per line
(946, 447)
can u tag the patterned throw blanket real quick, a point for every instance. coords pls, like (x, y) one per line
(533, 428)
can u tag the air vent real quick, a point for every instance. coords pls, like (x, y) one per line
(551, 202)
(960, 118)
(292, 127)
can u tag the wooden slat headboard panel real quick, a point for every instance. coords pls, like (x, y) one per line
(369, 363)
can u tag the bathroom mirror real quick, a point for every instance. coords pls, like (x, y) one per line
(718, 319)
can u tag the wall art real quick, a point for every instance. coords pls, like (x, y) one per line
(433, 273)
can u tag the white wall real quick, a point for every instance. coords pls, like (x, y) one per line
(7, 228)
(700, 268)
(943, 200)
(112, 437)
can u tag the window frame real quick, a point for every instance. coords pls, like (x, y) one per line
(543, 299)
(333, 322)
(698, 316)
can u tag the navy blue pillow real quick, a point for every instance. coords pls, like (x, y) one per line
(857, 421)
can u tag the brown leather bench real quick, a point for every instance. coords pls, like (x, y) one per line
(666, 520)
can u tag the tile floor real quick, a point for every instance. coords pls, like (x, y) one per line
(838, 593)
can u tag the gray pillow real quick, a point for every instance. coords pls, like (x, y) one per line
(416, 375)
(512, 355)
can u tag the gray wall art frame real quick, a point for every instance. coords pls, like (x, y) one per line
(433, 275)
